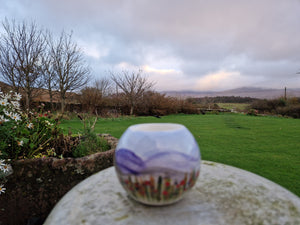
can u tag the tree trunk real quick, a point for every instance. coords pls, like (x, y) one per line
(62, 102)
(131, 110)
(27, 102)
(51, 99)
(27, 93)
(62, 106)
(28, 99)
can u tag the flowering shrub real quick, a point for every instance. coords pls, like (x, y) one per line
(24, 135)
(91, 143)
(4, 169)
(32, 135)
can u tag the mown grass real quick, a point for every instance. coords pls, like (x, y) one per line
(234, 106)
(267, 146)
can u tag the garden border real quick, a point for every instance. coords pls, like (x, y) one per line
(36, 185)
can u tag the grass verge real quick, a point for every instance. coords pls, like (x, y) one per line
(267, 146)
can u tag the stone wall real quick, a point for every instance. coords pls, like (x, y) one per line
(36, 185)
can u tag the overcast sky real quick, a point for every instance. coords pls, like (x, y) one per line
(179, 44)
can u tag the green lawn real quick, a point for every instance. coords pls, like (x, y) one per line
(267, 146)
(235, 106)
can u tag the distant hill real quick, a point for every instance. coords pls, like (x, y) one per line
(253, 92)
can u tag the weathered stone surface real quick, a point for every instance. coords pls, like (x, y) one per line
(36, 185)
(222, 195)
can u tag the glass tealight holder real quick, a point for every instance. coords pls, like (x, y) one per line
(157, 163)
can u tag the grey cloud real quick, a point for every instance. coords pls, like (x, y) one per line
(258, 38)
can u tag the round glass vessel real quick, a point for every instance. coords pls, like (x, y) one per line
(157, 163)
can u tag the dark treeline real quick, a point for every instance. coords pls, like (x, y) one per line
(221, 99)
(113, 105)
(286, 107)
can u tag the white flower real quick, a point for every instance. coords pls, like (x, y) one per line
(4, 168)
(1, 163)
(18, 96)
(7, 96)
(3, 102)
(9, 114)
(16, 117)
(29, 125)
(48, 123)
(2, 189)
(2, 119)
(20, 143)
(15, 104)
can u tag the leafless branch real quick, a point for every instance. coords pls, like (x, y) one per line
(133, 84)
(22, 46)
(68, 65)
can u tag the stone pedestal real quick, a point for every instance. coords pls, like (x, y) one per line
(222, 195)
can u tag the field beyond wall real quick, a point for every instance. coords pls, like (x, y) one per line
(267, 146)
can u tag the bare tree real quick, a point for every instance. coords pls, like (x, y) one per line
(103, 86)
(21, 48)
(49, 74)
(68, 65)
(93, 97)
(133, 84)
